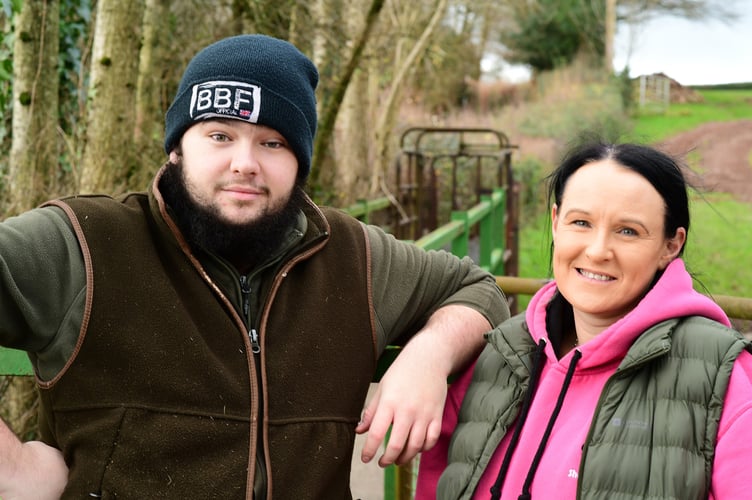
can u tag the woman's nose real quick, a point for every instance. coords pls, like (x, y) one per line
(599, 247)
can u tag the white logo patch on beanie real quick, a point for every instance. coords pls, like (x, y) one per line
(226, 99)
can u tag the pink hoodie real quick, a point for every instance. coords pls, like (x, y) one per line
(556, 476)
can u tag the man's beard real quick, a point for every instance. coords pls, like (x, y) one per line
(246, 245)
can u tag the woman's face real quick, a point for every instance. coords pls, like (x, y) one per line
(609, 240)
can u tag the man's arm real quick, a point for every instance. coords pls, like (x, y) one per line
(38, 243)
(30, 470)
(411, 394)
(42, 287)
(409, 284)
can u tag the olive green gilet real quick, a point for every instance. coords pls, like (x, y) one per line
(160, 400)
(673, 381)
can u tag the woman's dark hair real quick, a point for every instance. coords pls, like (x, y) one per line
(658, 168)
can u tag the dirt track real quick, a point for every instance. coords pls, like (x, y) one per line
(720, 153)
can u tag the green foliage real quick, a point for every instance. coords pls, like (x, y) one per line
(726, 86)
(624, 82)
(551, 33)
(75, 18)
(75, 23)
(10, 7)
(440, 78)
(593, 106)
(530, 172)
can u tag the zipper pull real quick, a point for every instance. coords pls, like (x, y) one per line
(255, 346)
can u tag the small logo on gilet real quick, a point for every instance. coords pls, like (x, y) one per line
(228, 99)
(630, 423)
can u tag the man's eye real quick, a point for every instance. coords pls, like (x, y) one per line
(220, 137)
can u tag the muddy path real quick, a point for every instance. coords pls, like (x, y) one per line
(720, 154)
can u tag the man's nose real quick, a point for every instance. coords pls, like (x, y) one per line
(245, 158)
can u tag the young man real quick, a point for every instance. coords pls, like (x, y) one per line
(216, 336)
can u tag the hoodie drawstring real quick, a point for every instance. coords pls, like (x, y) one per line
(525, 495)
(537, 368)
(535, 375)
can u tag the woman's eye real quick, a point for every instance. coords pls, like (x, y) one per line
(628, 231)
(580, 223)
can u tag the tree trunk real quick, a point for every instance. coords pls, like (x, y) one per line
(610, 34)
(33, 168)
(151, 95)
(352, 168)
(321, 13)
(34, 151)
(109, 154)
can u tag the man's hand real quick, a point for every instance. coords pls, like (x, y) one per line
(412, 392)
(31, 470)
(410, 398)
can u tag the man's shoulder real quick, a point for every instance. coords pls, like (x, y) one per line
(330, 219)
(337, 214)
(98, 198)
(100, 202)
(95, 210)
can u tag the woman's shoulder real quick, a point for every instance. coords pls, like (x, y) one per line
(702, 329)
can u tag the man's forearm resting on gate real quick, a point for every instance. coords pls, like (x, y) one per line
(411, 394)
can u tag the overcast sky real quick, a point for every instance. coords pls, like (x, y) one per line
(690, 52)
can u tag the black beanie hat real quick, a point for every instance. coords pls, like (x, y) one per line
(253, 78)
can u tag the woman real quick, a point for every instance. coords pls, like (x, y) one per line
(619, 381)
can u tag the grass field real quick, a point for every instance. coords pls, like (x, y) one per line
(718, 105)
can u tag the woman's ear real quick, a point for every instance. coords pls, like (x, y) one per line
(554, 218)
(674, 246)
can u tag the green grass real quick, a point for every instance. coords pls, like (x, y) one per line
(718, 251)
(534, 251)
(718, 105)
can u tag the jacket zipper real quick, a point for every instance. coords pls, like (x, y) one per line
(245, 288)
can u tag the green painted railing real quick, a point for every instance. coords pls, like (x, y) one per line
(363, 209)
(483, 224)
(488, 217)
(13, 362)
